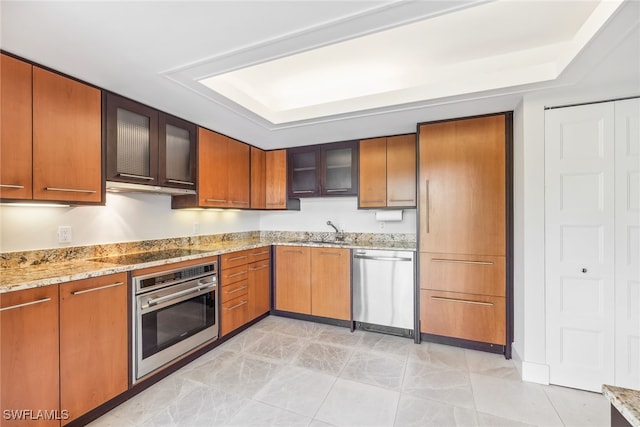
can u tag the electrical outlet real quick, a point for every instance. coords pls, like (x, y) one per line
(196, 228)
(64, 234)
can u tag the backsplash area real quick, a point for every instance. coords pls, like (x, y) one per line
(18, 259)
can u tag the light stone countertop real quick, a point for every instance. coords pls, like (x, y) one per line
(61, 271)
(626, 401)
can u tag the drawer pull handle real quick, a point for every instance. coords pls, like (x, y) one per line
(372, 201)
(70, 190)
(239, 202)
(11, 186)
(238, 274)
(99, 288)
(128, 175)
(291, 252)
(176, 181)
(463, 301)
(237, 258)
(303, 191)
(402, 200)
(215, 200)
(236, 290)
(237, 305)
(329, 253)
(461, 261)
(260, 253)
(259, 268)
(275, 203)
(11, 307)
(337, 190)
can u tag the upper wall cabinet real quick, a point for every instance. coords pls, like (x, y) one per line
(323, 170)
(223, 174)
(51, 136)
(146, 146)
(268, 179)
(388, 172)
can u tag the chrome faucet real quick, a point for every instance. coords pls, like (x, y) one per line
(339, 233)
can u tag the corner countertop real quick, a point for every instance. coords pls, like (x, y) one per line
(626, 401)
(52, 273)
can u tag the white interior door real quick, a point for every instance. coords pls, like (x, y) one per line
(627, 305)
(579, 245)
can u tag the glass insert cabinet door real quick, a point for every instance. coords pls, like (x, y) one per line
(147, 146)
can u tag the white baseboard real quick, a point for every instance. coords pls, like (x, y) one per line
(529, 371)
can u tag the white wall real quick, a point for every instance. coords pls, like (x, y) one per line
(342, 211)
(125, 218)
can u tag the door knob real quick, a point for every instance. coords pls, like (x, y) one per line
(584, 270)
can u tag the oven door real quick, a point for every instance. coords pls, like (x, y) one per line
(172, 321)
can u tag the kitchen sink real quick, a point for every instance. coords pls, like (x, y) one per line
(320, 242)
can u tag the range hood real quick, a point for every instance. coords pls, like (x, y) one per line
(128, 187)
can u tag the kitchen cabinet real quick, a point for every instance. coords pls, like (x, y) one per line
(93, 342)
(315, 281)
(51, 136)
(223, 174)
(268, 179)
(15, 127)
(463, 226)
(245, 287)
(146, 146)
(387, 168)
(323, 170)
(29, 352)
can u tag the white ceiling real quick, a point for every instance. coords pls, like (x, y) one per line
(438, 59)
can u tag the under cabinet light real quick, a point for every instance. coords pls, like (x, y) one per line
(36, 205)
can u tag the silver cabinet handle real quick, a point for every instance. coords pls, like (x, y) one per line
(260, 253)
(156, 301)
(239, 202)
(463, 301)
(329, 253)
(427, 205)
(337, 190)
(382, 258)
(70, 190)
(215, 200)
(11, 186)
(11, 307)
(175, 181)
(290, 251)
(238, 274)
(461, 261)
(371, 201)
(303, 191)
(236, 290)
(237, 305)
(259, 268)
(128, 175)
(402, 200)
(99, 288)
(237, 258)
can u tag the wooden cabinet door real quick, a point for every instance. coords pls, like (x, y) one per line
(293, 274)
(29, 354)
(258, 178)
(259, 288)
(15, 129)
(93, 342)
(238, 159)
(276, 179)
(331, 283)
(462, 186)
(67, 140)
(401, 171)
(373, 173)
(213, 169)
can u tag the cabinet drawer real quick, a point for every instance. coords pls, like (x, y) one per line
(472, 274)
(234, 259)
(467, 316)
(235, 274)
(235, 313)
(259, 254)
(234, 290)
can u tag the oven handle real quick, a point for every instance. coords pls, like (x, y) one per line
(155, 301)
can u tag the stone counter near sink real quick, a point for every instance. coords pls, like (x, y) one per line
(30, 269)
(626, 401)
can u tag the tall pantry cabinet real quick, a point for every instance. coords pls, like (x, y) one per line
(463, 230)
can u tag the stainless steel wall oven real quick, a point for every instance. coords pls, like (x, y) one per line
(174, 312)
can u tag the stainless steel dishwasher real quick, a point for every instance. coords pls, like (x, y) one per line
(383, 291)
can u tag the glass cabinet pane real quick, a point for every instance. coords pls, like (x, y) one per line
(178, 154)
(133, 143)
(304, 170)
(338, 170)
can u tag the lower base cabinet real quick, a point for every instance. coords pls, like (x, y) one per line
(315, 281)
(29, 356)
(93, 342)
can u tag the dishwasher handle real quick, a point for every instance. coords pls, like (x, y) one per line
(381, 258)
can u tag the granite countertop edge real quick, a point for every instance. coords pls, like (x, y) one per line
(626, 401)
(21, 278)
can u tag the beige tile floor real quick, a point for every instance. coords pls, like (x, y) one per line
(284, 372)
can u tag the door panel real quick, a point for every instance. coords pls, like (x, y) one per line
(579, 233)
